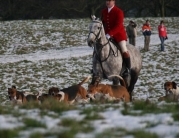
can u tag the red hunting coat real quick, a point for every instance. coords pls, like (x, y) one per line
(113, 23)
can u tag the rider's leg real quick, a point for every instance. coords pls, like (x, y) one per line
(127, 60)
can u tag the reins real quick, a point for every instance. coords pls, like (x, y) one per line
(98, 44)
(110, 49)
(96, 35)
(102, 46)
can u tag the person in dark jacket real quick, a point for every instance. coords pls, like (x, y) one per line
(146, 29)
(132, 32)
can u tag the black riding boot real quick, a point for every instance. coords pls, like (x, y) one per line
(127, 72)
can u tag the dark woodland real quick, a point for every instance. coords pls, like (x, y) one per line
(62, 9)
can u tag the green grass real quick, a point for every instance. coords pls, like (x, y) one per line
(143, 134)
(72, 126)
(146, 107)
(6, 109)
(119, 132)
(8, 133)
(93, 109)
(77, 126)
(36, 135)
(50, 105)
(32, 123)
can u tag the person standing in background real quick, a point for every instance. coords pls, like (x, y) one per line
(162, 31)
(146, 29)
(132, 32)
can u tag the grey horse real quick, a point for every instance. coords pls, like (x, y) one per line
(107, 59)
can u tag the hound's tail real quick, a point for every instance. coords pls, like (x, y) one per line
(85, 80)
(122, 80)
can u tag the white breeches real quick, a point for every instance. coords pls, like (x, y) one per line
(122, 45)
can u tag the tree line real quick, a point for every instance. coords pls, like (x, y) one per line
(61, 9)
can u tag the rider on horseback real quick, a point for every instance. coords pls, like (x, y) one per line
(112, 18)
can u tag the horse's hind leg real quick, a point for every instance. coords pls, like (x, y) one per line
(115, 81)
(95, 79)
(134, 77)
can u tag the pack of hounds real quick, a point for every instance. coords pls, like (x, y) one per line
(95, 92)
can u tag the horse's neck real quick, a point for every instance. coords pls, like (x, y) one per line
(103, 38)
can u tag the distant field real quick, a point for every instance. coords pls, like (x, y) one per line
(94, 120)
(22, 37)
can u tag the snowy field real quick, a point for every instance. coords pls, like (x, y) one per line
(38, 54)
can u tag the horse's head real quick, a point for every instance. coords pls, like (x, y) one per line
(95, 29)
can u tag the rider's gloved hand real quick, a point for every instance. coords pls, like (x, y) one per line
(108, 36)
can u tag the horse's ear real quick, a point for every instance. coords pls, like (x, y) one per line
(93, 17)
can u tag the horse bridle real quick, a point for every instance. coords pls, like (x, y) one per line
(96, 40)
(96, 35)
(101, 47)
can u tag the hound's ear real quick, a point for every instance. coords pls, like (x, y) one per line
(13, 86)
(93, 17)
(174, 85)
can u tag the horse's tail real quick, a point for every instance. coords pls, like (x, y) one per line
(121, 79)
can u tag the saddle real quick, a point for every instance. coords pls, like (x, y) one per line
(115, 43)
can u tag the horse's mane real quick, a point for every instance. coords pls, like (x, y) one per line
(97, 20)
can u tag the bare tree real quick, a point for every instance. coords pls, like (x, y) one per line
(159, 7)
(35, 9)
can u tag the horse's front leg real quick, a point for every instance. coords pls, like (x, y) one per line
(97, 72)
(97, 69)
